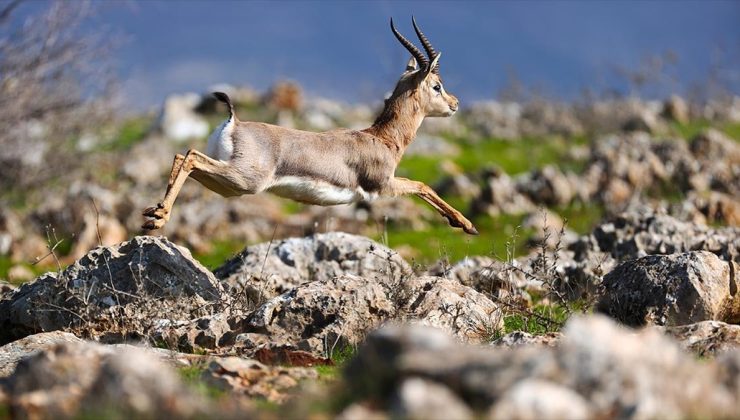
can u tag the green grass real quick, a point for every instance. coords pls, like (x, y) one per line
(442, 241)
(689, 130)
(513, 156)
(534, 325)
(131, 132)
(732, 130)
(581, 217)
(37, 270)
(340, 358)
(191, 375)
(219, 253)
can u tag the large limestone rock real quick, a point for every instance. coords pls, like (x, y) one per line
(327, 315)
(673, 289)
(269, 269)
(114, 292)
(179, 121)
(252, 378)
(72, 378)
(599, 370)
(324, 315)
(452, 307)
(12, 353)
(706, 338)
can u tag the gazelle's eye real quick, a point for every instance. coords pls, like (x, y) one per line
(437, 87)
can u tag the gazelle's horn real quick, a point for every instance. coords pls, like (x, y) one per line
(415, 52)
(426, 44)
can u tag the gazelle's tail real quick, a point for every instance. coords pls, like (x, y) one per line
(225, 99)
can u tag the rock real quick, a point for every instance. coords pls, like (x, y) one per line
(114, 292)
(323, 316)
(673, 289)
(717, 207)
(507, 281)
(360, 412)
(457, 185)
(537, 399)
(712, 145)
(284, 95)
(192, 336)
(20, 273)
(452, 307)
(178, 120)
(73, 378)
(676, 109)
(548, 186)
(706, 338)
(6, 289)
(718, 160)
(327, 315)
(252, 378)
(269, 269)
(543, 118)
(12, 353)
(599, 369)
(426, 145)
(98, 230)
(494, 119)
(634, 234)
(500, 196)
(521, 338)
(150, 162)
(549, 230)
(422, 399)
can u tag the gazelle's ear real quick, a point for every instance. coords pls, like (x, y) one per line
(433, 65)
(411, 65)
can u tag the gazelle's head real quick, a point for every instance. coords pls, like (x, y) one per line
(421, 78)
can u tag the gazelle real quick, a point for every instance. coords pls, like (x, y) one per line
(334, 167)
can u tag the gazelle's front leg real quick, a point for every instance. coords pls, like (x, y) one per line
(181, 169)
(403, 186)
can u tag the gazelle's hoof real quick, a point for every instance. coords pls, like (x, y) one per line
(153, 224)
(156, 212)
(471, 230)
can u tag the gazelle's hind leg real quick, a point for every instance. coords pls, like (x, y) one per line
(200, 166)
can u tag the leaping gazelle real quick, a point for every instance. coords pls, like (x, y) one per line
(334, 167)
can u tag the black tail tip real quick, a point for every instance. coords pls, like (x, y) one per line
(223, 98)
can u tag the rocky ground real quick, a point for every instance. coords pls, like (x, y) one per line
(629, 309)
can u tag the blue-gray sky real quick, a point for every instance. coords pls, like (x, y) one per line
(345, 50)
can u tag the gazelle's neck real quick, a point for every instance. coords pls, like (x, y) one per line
(398, 122)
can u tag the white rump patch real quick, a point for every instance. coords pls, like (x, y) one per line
(220, 145)
(312, 191)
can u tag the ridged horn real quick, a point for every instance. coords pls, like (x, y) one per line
(415, 52)
(431, 52)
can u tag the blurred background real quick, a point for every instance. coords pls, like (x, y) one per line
(571, 112)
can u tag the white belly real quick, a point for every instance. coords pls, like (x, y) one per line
(311, 191)
(220, 144)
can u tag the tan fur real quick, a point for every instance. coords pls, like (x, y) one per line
(338, 166)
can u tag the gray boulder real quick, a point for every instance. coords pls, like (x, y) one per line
(254, 379)
(599, 369)
(521, 338)
(12, 353)
(674, 289)
(324, 316)
(269, 269)
(706, 338)
(70, 379)
(453, 307)
(113, 293)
